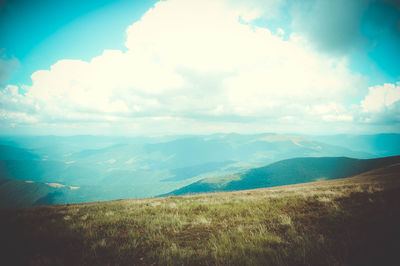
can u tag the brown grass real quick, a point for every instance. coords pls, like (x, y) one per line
(352, 221)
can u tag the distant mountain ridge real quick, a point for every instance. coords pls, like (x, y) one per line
(385, 144)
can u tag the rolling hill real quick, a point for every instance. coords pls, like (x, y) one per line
(285, 172)
(351, 221)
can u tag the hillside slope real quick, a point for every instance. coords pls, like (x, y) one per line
(22, 194)
(291, 171)
(351, 221)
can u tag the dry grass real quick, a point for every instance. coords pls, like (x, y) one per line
(340, 222)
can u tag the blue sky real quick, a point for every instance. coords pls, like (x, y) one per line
(148, 67)
(41, 32)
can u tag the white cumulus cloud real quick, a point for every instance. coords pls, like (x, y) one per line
(382, 104)
(193, 60)
(380, 97)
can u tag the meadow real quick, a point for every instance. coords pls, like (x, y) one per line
(350, 221)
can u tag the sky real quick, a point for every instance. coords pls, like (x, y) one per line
(199, 67)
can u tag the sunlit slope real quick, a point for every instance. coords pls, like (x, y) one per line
(350, 221)
(291, 171)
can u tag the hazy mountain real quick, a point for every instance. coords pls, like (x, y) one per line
(291, 171)
(190, 171)
(46, 171)
(262, 148)
(14, 153)
(379, 144)
(108, 168)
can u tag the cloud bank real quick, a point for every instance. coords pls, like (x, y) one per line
(201, 66)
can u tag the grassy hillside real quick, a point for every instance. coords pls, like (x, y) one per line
(352, 221)
(285, 172)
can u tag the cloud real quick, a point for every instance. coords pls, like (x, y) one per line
(253, 9)
(335, 118)
(16, 108)
(192, 63)
(381, 97)
(382, 104)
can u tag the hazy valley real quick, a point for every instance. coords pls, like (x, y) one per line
(41, 170)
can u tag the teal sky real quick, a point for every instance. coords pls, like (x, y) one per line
(39, 33)
(199, 66)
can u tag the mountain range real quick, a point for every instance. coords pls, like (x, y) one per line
(104, 168)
